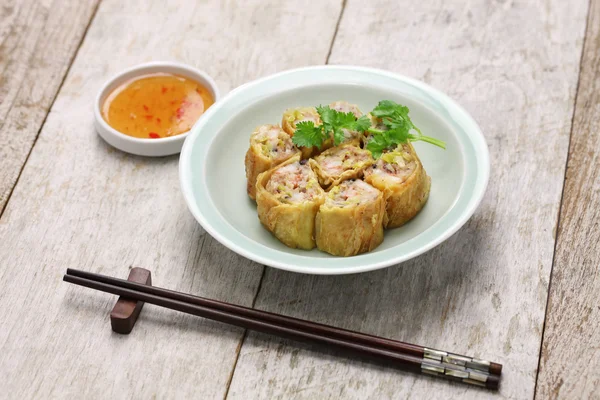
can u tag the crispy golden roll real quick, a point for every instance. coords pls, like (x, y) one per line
(292, 116)
(350, 222)
(350, 137)
(399, 174)
(269, 146)
(288, 198)
(340, 163)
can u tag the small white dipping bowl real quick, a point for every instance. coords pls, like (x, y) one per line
(147, 147)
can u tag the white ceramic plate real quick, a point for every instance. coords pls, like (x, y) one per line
(213, 180)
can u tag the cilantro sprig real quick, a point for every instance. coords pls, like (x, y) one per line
(334, 123)
(398, 128)
(308, 135)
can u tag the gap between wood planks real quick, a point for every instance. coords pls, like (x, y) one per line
(264, 268)
(238, 349)
(562, 196)
(587, 32)
(62, 82)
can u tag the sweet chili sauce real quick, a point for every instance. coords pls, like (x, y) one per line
(156, 106)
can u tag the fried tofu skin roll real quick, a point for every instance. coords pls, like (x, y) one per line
(288, 198)
(292, 116)
(350, 222)
(350, 137)
(399, 174)
(269, 146)
(340, 163)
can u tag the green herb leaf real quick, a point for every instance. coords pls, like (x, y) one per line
(377, 144)
(308, 135)
(338, 136)
(343, 122)
(388, 108)
(336, 122)
(363, 123)
(398, 128)
(398, 134)
(327, 116)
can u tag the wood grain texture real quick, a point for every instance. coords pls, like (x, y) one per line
(514, 66)
(570, 362)
(36, 48)
(80, 203)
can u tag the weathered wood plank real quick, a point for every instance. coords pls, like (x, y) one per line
(570, 362)
(514, 66)
(79, 203)
(36, 49)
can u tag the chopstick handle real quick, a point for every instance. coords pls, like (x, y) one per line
(406, 361)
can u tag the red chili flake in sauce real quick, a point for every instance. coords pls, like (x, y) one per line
(164, 89)
(158, 120)
(154, 135)
(145, 107)
(181, 110)
(149, 117)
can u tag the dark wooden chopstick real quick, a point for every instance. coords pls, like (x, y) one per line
(253, 313)
(370, 340)
(408, 356)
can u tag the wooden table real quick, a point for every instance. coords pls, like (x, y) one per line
(519, 284)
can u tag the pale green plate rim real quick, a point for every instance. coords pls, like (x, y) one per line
(473, 145)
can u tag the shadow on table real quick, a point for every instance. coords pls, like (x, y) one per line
(120, 155)
(397, 302)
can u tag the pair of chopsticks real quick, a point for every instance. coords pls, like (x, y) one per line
(410, 357)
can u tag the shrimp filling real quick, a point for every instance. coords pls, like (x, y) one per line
(353, 192)
(345, 107)
(394, 166)
(273, 142)
(341, 159)
(294, 183)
